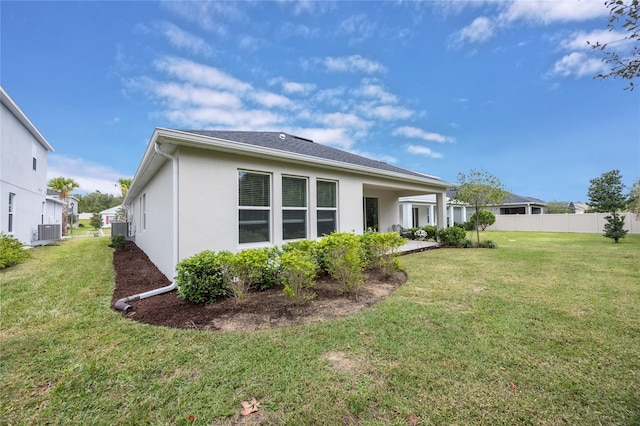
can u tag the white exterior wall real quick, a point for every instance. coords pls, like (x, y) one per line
(156, 238)
(17, 148)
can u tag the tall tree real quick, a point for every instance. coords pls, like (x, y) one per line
(63, 186)
(480, 189)
(624, 62)
(555, 207)
(605, 196)
(125, 183)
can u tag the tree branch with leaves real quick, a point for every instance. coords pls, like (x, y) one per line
(63, 186)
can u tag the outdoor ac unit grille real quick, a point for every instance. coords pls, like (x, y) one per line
(49, 232)
(120, 228)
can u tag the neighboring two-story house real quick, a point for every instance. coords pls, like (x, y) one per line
(23, 177)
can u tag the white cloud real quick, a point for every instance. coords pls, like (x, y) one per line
(387, 112)
(270, 100)
(371, 89)
(223, 117)
(184, 40)
(423, 150)
(196, 73)
(353, 63)
(336, 137)
(479, 31)
(292, 87)
(90, 176)
(207, 14)
(547, 12)
(345, 120)
(416, 133)
(357, 27)
(250, 43)
(176, 94)
(578, 64)
(579, 40)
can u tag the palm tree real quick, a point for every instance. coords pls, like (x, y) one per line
(63, 186)
(125, 183)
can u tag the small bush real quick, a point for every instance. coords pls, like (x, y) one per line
(299, 270)
(432, 232)
(484, 217)
(96, 221)
(487, 244)
(452, 236)
(12, 251)
(202, 278)
(343, 257)
(466, 243)
(258, 268)
(381, 250)
(118, 242)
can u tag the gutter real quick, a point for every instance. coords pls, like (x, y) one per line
(122, 304)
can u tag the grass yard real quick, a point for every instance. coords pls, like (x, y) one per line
(544, 330)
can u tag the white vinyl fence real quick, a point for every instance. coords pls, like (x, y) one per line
(590, 223)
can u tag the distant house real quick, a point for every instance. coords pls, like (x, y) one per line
(578, 207)
(231, 190)
(420, 210)
(24, 204)
(109, 216)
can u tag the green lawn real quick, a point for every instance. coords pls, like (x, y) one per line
(556, 315)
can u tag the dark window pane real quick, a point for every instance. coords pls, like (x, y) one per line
(254, 189)
(326, 194)
(294, 192)
(326, 222)
(254, 226)
(294, 224)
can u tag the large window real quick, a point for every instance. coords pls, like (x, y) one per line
(327, 213)
(12, 200)
(294, 208)
(254, 207)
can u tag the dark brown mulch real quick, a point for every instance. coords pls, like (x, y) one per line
(135, 273)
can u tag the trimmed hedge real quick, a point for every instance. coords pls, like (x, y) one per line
(12, 251)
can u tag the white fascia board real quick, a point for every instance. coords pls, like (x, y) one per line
(13, 107)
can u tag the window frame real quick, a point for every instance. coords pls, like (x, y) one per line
(268, 208)
(11, 210)
(304, 208)
(333, 209)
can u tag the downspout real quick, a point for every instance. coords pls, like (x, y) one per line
(122, 304)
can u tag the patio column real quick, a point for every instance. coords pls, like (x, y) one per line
(452, 216)
(432, 217)
(464, 213)
(441, 207)
(406, 215)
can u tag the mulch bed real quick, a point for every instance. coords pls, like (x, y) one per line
(135, 273)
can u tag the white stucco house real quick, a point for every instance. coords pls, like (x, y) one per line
(24, 204)
(109, 216)
(231, 190)
(420, 210)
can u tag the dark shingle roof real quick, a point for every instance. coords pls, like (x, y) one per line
(295, 144)
(510, 199)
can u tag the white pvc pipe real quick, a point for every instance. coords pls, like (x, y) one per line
(122, 304)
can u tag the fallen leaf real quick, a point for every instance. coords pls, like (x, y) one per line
(412, 420)
(502, 368)
(249, 407)
(513, 385)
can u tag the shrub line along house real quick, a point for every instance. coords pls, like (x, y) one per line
(27, 212)
(198, 190)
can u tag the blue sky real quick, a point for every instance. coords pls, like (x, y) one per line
(437, 87)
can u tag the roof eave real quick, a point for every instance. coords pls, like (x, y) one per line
(13, 107)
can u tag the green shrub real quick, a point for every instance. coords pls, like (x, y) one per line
(342, 257)
(118, 241)
(484, 217)
(298, 271)
(381, 250)
(432, 232)
(452, 236)
(487, 244)
(202, 278)
(96, 221)
(12, 251)
(258, 268)
(466, 243)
